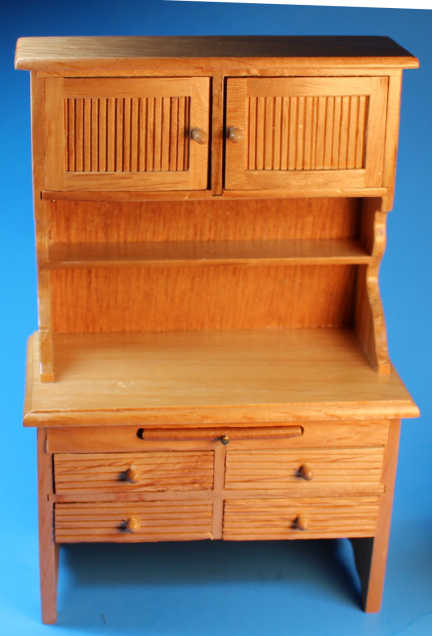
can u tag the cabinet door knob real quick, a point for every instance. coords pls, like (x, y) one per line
(132, 475)
(224, 439)
(198, 135)
(305, 472)
(300, 523)
(234, 134)
(132, 524)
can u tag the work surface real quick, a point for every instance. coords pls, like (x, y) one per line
(200, 377)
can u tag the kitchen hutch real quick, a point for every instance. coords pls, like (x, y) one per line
(211, 360)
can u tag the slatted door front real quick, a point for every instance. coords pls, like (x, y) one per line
(130, 134)
(305, 133)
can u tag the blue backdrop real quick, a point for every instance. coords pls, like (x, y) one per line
(269, 588)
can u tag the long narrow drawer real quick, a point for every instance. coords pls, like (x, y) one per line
(306, 470)
(133, 472)
(250, 519)
(133, 522)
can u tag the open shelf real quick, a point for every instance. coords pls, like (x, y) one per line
(209, 377)
(288, 251)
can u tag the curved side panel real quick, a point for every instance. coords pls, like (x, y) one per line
(370, 320)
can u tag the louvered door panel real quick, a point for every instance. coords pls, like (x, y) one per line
(117, 133)
(305, 133)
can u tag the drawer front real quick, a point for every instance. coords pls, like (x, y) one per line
(370, 433)
(305, 133)
(306, 471)
(250, 519)
(132, 522)
(123, 133)
(127, 472)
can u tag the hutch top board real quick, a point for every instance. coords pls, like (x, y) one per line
(210, 221)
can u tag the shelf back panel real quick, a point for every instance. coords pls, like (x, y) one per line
(210, 297)
(107, 222)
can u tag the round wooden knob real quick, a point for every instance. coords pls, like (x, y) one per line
(305, 472)
(225, 440)
(198, 135)
(132, 524)
(300, 523)
(132, 475)
(234, 134)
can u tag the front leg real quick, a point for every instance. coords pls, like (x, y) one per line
(48, 549)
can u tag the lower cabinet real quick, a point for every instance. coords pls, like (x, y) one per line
(228, 484)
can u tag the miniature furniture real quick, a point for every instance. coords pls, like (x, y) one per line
(211, 360)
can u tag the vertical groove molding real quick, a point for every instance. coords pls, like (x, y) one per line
(126, 134)
(311, 132)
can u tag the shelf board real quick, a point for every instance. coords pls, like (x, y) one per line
(289, 251)
(202, 378)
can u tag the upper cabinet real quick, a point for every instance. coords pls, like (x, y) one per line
(301, 133)
(127, 134)
(215, 116)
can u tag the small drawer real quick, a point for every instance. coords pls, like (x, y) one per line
(367, 433)
(133, 522)
(133, 472)
(330, 517)
(306, 471)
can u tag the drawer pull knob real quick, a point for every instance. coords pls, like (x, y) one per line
(300, 523)
(234, 134)
(198, 135)
(132, 475)
(305, 472)
(132, 524)
(224, 439)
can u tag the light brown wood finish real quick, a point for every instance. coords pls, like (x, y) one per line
(114, 223)
(195, 298)
(134, 54)
(370, 321)
(153, 471)
(48, 549)
(371, 554)
(125, 196)
(252, 519)
(210, 378)
(42, 213)
(392, 136)
(346, 434)
(301, 251)
(155, 521)
(287, 126)
(210, 220)
(358, 469)
(127, 133)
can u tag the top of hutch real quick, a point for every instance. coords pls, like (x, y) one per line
(53, 54)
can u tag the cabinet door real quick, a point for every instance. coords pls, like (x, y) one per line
(127, 134)
(305, 133)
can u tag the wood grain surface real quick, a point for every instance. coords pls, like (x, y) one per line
(249, 519)
(158, 521)
(113, 54)
(97, 472)
(206, 378)
(331, 469)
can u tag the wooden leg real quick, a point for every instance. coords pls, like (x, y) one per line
(371, 554)
(48, 549)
